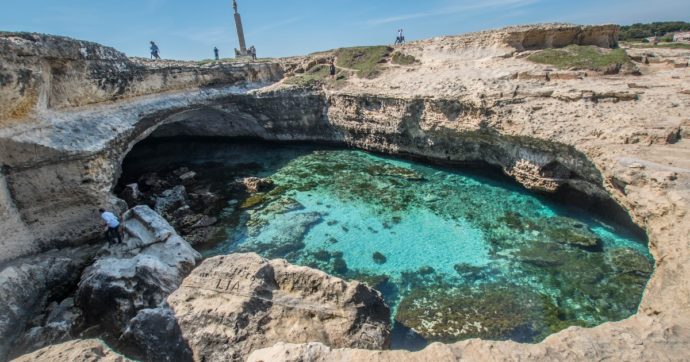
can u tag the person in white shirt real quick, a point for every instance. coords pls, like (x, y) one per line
(112, 223)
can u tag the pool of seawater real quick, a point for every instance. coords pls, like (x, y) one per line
(455, 254)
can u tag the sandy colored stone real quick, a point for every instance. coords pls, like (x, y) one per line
(232, 305)
(87, 350)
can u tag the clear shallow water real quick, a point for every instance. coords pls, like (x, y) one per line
(456, 255)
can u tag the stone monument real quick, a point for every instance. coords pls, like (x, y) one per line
(242, 52)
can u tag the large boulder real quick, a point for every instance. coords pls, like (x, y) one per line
(28, 285)
(154, 335)
(232, 305)
(171, 200)
(139, 274)
(61, 323)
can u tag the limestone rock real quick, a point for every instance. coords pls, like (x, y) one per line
(131, 194)
(232, 305)
(87, 350)
(27, 284)
(171, 200)
(115, 288)
(255, 184)
(62, 323)
(187, 177)
(153, 335)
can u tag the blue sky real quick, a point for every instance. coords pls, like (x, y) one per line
(187, 29)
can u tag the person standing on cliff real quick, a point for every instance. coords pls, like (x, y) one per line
(112, 223)
(332, 69)
(154, 51)
(215, 51)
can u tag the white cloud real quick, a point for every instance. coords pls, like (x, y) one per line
(455, 9)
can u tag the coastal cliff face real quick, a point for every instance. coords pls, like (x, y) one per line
(64, 134)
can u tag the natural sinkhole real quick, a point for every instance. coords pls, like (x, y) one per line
(457, 253)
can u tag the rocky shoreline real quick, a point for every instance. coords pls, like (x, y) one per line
(62, 148)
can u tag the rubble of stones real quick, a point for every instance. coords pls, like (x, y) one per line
(187, 202)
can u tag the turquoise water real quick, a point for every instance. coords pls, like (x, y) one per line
(455, 254)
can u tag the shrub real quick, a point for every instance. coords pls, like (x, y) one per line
(581, 57)
(403, 59)
(365, 60)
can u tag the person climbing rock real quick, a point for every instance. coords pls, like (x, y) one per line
(112, 223)
(154, 51)
(215, 51)
(332, 69)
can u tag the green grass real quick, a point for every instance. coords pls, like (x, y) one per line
(366, 60)
(581, 57)
(317, 76)
(403, 59)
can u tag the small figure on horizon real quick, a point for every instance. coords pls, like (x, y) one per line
(112, 223)
(252, 52)
(154, 51)
(215, 51)
(332, 69)
(400, 39)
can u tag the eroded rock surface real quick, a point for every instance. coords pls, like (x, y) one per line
(154, 335)
(28, 285)
(87, 350)
(139, 274)
(232, 305)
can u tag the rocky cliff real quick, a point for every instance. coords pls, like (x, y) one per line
(467, 98)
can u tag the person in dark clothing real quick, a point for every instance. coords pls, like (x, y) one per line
(252, 51)
(215, 51)
(112, 223)
(332, 69)
(154, 51)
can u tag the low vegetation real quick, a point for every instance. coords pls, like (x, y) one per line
(641, 31)
(314, 76)
(582, 57)
(403, 59)
(660, 45)
(366, 61)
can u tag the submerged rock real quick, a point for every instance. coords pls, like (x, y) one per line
(629, 261)
(255, 184)
(232, 305)
(379, 258)
(569, 231)
(492, 311)
(140, 274)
